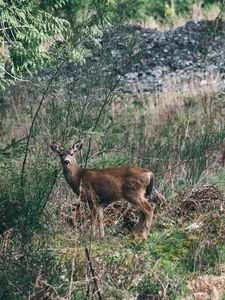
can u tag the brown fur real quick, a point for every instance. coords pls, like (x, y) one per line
(100, 187)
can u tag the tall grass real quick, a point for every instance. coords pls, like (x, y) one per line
(177, 133)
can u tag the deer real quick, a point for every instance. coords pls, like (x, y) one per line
(101, 187)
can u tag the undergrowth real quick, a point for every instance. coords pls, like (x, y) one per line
(177, 135)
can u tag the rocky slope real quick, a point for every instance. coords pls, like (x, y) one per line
(196, 49)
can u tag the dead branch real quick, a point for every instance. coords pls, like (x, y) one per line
(93, 274)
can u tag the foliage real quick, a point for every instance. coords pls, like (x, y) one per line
(41, 233)
(22, 206)
(25, 28)
(28, 29)
(24, 196)
(166, 10)
(80, 97)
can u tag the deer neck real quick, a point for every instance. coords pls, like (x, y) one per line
(72, 176)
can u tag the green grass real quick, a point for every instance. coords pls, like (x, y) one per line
(164, 262)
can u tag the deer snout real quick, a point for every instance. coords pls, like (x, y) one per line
(66, 161)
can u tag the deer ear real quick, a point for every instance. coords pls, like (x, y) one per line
(78, 145)
(55, 147)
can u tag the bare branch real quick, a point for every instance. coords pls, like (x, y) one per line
(13, 76)
(13, 27)
(93, 274)
(34, 119)
(13, 143)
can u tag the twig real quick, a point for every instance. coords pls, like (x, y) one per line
(123, 214)
(13, 27)
(105, 102)
(156, 158)
(221, 10)
(11, 75)
(55, 176)
(71, 277)
(33, 121)
(93, 273)
(192, 158)
(13, 143)
(6, 34)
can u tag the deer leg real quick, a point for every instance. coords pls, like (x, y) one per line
(97, 213)
(147, 210)
(101, 221)
(145, 221)
(140, 223)
(94, 217)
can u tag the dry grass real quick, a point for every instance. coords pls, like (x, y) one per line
(179, 93)
(206, 287)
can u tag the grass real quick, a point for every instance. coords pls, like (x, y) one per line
(176, 133)
(162, 264)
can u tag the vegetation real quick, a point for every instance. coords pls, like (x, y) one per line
(165, 11)
(177, 135)
(28, 29)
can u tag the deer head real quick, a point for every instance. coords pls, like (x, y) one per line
(67, 155)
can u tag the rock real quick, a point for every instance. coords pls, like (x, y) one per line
(193, 47)
(195, 50)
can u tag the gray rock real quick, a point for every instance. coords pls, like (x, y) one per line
(196, 48)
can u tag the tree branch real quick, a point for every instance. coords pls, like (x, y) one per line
(105, 102)
(93, 274)
(33, 122)
(13, 76)
(13, 143)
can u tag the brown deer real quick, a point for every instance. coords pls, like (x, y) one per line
(100, 187)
